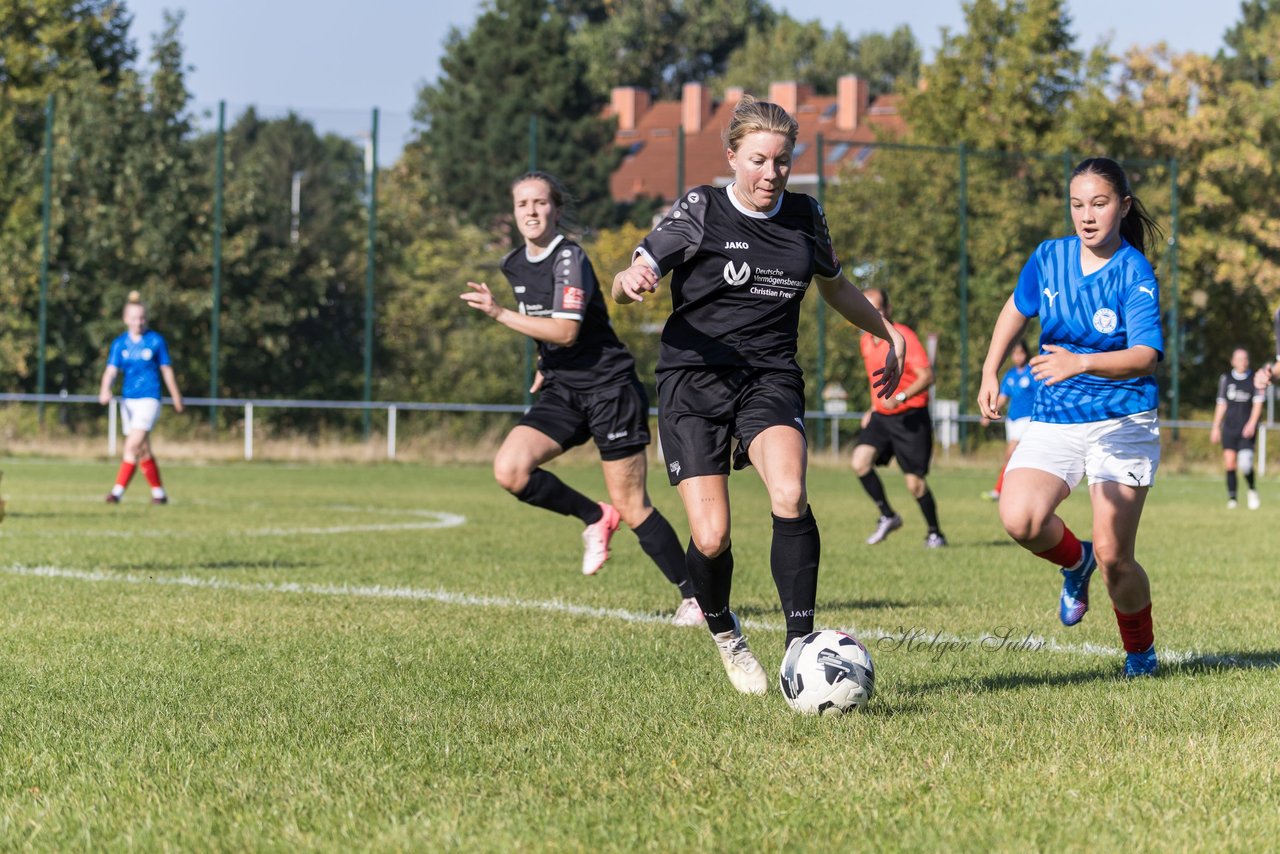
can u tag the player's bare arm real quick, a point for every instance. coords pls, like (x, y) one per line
(108, 379)
(853, 306)
(1009, 327)
(560, 331)
(171, 383)
(1057, 364)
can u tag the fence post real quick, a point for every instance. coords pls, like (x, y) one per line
(822, 304)
(1176, 327)
(45, 216)
(371, 164)
(113, 415)
(248, 431)
(391, 432)
(528, 342)
(964, 285)
(215, 315)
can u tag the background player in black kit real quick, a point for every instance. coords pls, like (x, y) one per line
(1235, 424)
(742, 258)
(587, 387)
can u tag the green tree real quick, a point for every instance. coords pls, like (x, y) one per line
(788, 49)
(515, 62)
(660, 45)
(1011, 88)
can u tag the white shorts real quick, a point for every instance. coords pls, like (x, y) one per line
(1016, 428)
(1120, 450)
(139, 413)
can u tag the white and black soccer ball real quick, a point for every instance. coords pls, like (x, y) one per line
(827, 673)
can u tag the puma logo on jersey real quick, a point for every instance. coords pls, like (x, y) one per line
(736, 276)
(1051, 296)
(675, 468)
(736, 244)
(1151, 292)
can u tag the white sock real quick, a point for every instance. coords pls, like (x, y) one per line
(157, 492)
(117, 490)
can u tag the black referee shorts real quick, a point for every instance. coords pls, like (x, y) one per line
(908, 437)
(701, 410)
(616, 417)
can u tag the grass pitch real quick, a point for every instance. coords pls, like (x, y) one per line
(403, 657)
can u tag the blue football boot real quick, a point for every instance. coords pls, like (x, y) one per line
(1074, 601)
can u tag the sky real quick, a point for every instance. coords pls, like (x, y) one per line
(334, 60)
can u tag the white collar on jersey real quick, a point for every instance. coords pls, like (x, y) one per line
(747, 211)
(1239, 377)
(551, 247)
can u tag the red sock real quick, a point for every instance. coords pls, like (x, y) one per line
(1135, 630)
(125, 474)
(1066, 553)
(1000, 481)
(151, 471)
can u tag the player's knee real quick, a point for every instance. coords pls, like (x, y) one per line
(633, 510)
(510, 473)
(1113, 560)
(711, 542)
(916, 485)
(862, 460)
(788, 500)
(1020, 524)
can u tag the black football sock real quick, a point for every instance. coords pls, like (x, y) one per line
(930, 510)
(660, 543)
(793, 558)
(871, 483)
(1248, 478)
(713, 578)
(1232, 485)
(549, 492)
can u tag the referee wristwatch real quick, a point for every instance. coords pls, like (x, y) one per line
(901, 397)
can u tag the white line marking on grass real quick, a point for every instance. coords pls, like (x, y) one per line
(431, 520)
(929, 642)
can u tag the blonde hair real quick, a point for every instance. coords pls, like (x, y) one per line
(751, 115)
(134, 298)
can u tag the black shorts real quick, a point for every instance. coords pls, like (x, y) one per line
(617, 417)
(699, 410)
(1233, 438)
(907, 437)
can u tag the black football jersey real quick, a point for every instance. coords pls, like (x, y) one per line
(562, 283)
(738, 277)
(1238, 393)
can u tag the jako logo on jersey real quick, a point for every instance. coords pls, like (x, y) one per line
(736, 244)
(675, 468)
(1151, 292)
(620, 434)
(693, 198)
(737, 276)
(1104, 320)
(1050, 296)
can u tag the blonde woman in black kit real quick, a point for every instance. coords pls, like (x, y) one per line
(587, 389)
(741, 259)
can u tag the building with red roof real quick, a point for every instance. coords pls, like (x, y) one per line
(650, 133)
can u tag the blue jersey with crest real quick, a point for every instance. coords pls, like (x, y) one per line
(139, 363)
(1112, 308)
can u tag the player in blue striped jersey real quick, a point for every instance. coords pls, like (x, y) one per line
(142, 357)
(1099, 308)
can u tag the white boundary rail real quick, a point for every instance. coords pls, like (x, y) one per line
(944, 423)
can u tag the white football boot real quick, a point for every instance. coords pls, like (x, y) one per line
(739, 661)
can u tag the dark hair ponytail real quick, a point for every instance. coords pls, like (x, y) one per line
(566, 216)
(1137, 227)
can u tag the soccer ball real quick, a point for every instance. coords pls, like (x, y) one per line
(827, 673)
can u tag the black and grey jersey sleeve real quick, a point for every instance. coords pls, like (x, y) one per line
(677, 238)
(573, 288)
(1222, 388)
(825, 262)
(1277, 327)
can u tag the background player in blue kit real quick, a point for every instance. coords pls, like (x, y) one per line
(142, 357)
(588, 390)
(741, 259)
(1099, 308)
(1018, 392)
(1236, 414)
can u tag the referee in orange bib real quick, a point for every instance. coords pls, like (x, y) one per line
(899, 428)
